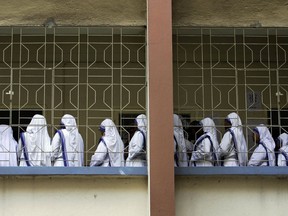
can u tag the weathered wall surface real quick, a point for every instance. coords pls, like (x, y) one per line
(73, 12)
(107, 196)
(230, 13)
(237, 196)
(209, 13)
(71, 196)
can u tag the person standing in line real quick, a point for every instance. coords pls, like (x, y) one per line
(8, 147)
(110, 150)
(193, 133)
(67, 144)
(189, 148)
(233, 147)
(264, 154)
(205, 152)
(283, 152)
(34, 145)
(180, 152)
(137, 145)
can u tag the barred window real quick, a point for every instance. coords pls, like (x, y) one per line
(222, 70)
(92, 73)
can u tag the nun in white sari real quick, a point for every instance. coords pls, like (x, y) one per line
(110, 150)
(180, 152)
(233, 146)
(34, 145)
(283, 152)
(264, 154)
(8, 147)
(137, 145)
(205, 152)
(67, 144)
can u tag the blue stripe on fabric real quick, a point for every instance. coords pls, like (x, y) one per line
(235, 144)
(63, 145)
(197, 143)
(213, 151)
(24, 149)
(101, 139)
(268, 163)
(144, 140)
(175, 154)
(285, 156)
(211, 148)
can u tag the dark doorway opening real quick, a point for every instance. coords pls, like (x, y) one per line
(19, 119)
(279, 121)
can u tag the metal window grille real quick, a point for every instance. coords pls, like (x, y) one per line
(222, 70)
(92, 73)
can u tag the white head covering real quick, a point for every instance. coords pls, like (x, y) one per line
(72, 141)
(142, 123)
(8, 147)
(241, 145)
(210, 129)
(37, 142)
(114, 143)
(179, 136)
(267, 140)
(70, 125)
(283, 139)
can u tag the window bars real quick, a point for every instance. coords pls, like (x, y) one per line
(92, 73)
(95, 73)
(222, 70)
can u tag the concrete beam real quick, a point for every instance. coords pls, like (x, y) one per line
(73, 12)
(230, 13)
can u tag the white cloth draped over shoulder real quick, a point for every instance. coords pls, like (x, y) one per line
(264, 154)
(137, 145)
(180, 151)
(110, 150)
(210, 129)
(68, 145)
(189, 147)
(205, 151)
(37, 141)
(8, 147)
(233, 147)
(283, 151)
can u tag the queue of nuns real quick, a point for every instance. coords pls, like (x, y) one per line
(35, 147)
(201, 148)
(232, 150)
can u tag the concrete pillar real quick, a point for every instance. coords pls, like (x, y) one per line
(160, 107)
